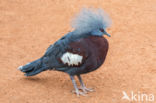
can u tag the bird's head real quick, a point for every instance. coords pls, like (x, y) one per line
(93, 21)
(100, 32)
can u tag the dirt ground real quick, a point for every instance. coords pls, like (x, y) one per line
(28, 27)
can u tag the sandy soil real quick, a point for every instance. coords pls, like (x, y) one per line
(28, 27)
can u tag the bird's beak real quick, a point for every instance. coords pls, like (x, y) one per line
(107, 34)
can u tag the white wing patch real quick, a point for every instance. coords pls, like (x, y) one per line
(71, 59)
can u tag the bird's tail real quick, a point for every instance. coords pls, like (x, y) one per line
(33, 68)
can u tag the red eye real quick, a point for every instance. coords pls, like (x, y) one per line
(101, 30)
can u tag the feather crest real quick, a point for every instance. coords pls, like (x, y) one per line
(90, 19)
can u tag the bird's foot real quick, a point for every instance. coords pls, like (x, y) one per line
(86, 90)
(78, 93)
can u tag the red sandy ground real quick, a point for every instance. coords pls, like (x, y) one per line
(28, 27)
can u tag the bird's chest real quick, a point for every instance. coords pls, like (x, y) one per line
(92, 50)
(97, 47)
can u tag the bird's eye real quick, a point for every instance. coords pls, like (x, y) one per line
(102, 30)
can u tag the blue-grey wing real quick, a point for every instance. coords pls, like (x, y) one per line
(54, 54)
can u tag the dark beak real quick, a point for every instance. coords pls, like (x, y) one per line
(107, 34)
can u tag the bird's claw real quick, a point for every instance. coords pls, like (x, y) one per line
(78, 93)
(86, 90)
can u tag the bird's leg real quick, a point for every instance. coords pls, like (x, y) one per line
(78, 93)
(83, 87)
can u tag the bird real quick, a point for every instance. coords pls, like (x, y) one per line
(78, 52)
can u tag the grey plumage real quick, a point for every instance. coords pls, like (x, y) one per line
(90, 19)
(86, 40)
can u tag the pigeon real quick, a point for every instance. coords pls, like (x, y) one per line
(78, 52)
